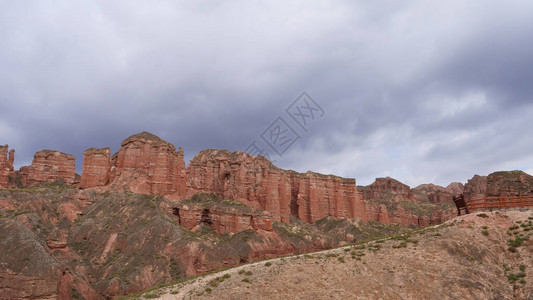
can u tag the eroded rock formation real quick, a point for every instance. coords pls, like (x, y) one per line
(149, 165)
(389, 201)
(256, 182)
(6, 165)
(49, 165)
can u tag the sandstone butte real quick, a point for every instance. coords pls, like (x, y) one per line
(147, 164)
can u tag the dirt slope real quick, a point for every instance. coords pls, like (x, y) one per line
(477, 256)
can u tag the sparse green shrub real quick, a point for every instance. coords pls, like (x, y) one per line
(514, 227)
(506, 267)
(268, 264)
(150, 296)
(401, 245)
(484, 227)
(484, 232)
(208, 290)
(482, 215)
(341, 259)
(174, 292)
(512, 278)
(246, 280)
(249, 273)
(522, 268)
(517, 242)
(242, 271)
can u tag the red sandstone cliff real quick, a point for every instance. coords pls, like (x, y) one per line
(257, 182)
(6, 165)
(49, 165)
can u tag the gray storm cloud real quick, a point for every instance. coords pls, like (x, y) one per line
(413, 90)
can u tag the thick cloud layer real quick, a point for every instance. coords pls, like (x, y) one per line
(419, 91)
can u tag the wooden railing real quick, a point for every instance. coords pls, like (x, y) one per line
(489, 203)
(501, 202)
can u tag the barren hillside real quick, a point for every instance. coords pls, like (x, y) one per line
(477, 256)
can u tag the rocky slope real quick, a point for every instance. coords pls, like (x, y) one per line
(63, 242)
(477, 256)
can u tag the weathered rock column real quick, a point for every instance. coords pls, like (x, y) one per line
(96, 167)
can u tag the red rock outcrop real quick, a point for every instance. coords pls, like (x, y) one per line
(475, 187)
(455, 188)
(437, 194)
(509, 183)
(96, 167)
(6, 165)
(503, 183)
(148, 164)
(223, 220)
(49, 165)
(387, 188)
(256, 182)
(389, 201)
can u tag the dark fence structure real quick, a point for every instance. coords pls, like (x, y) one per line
(489, 203)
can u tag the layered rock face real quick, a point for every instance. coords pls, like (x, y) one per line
(389, 201)
(6, 165)
(96, 167)
(256, 182)
(49, 165)
(144, 164)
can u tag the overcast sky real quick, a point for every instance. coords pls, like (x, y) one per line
(422, 91)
